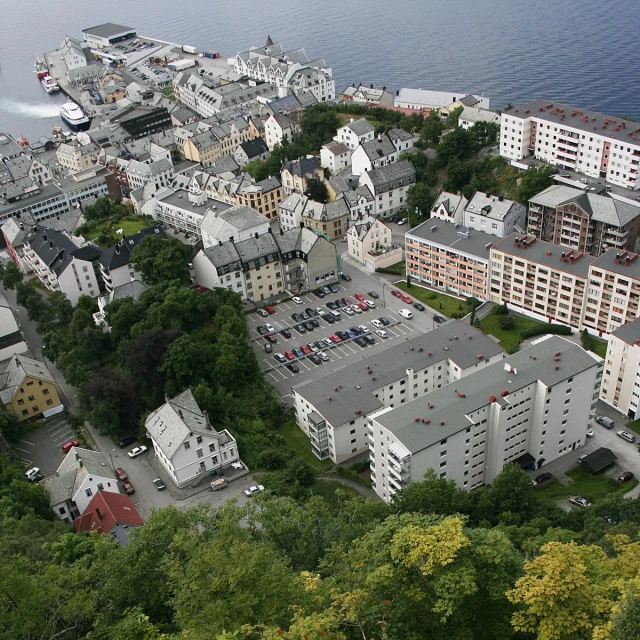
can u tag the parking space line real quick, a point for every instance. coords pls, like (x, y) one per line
(26, 442)
(25, 450)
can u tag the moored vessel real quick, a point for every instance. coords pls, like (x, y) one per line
(49, 84)
(40, 67)
(74, 116)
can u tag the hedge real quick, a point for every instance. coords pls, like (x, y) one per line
(536, 330)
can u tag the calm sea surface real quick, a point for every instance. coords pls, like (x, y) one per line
(582, 52)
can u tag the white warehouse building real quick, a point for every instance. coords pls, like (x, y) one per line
(530, 409)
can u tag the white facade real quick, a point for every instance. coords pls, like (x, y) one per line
(157, 174)
(335, 156)
(534, 408)
(426, 99)
(369, 242)
(373, 155)
(278, 128)
(290, 211)
(449, 207)
(79, 278)
(355, 133)
(186, 443)
(494, 215)
(184, 210)
(471, 115)
(389, 185)
(334, 410)
(590, 143)
(237, 224)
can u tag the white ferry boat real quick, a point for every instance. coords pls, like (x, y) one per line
(74, 116)
(49, 84)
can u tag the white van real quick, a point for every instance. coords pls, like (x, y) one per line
(405, 313)
(336, 315)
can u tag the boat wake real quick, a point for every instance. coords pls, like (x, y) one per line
(31, 110)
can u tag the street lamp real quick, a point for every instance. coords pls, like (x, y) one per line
(384, 284)
(111, 458)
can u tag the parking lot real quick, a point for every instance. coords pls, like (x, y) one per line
(42, 448)
(339, 354)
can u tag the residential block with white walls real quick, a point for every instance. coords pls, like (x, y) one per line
(585, 141)
(531, 409)
(334, 410)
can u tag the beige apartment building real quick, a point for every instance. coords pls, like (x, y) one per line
(613, 292)
(621, 379)
(264, 196)
(450, 257)
(539, 279)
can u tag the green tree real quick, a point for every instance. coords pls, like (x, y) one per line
(533, 181)
(432, 128)
(625, 624)
(319, 124)
(316, 190)
(586, 340)
(452, 118)
(432, 495)
(161, 259)
(10, 427)
(10, 275)
(420, 198)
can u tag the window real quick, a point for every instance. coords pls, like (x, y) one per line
(199, 439)
(187, 446)
(100, 486)
(88, 492)
(199, 452)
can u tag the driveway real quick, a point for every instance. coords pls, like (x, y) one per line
(42, 448)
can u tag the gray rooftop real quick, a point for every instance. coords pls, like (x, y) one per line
(455, 236)
(608, 261)
(582, 119)
(379, 148)
(107, 30)
(387, 175)
(628, 333)
(545, 253)
(490, 205)
(337, 395)
(601, 208)
(19, 368)
(478, 387)
(360, 127)
(242, 217)
(180, 200)
(254, 248)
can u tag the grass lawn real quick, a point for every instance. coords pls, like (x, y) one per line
(511, 338)
(634, 426)
(128, 226)
(586, 485)
(327, 489)
(599, 347)
(398, 269)
(441, 302)
(300, 444)
(346, 117)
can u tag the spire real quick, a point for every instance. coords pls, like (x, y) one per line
(269, 41)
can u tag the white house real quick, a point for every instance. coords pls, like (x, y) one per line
(494, 214)
(80, 476)
(426, 99)
(335, 156)
(133, 289)
(369, 242)
(471, 115)
(277, 127)
(235, 224)
(449, 207)
(185, 442)
(389, 185)
(374, 154)
(355, 133)
(360, 202)
(292, 209)
(158, 174)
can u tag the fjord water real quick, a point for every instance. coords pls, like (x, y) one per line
(583, 52)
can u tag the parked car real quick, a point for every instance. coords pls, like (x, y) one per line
(543, 477)
(296, 300)
(328, 342)
(159, 484)
(293, 367)
(279, 357)
(364, 330)
(319, 293)
(405, 298)
(125, 442)
(361, 342)
(564, 175)
(395, 293)
(298, 352)
(271, 339)
(305, 349)
(349, 311)
(370, 303)
(67, 446)
(370, 339)
(356, 308)
(439, 319)
(580, 502)
(285, 333)
(331, 306)
(329, 318)
(296, 317)
(128, 487)
(137, 451)
(363, 306)
(373, 295)
(346, 276)
(269, 309)
(314, 358)
(343, 335)
(607, 423)
(333, 288)
(269, 328)
(319, 344)
(312, 313)
(262, 313)
(335, 338)
(590, 433)
(267, 347)
(309, 325)
(314, 323)
(382, 333)
(252, 491)
(358, 296)
(405, 313)
(352, 335)
(403, 221)
(300, 328)
(418, 306)
(582, 457)
(326, 290)
(625, 476)
(385, 321)
(32, 473)
(323, 356)
(262, 330)
(625, 435)
(289, 355)
(377, 324)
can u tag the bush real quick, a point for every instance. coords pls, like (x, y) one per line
(586, 340)
(507, 322)
(501, 310)
(537, 330)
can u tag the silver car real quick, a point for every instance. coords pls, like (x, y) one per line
(625, 435)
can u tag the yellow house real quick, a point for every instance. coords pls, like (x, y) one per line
(27, 389)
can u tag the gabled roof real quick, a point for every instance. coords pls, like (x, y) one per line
(303, 166)
(385, 177)
(105, 510)
(628, 333)
(379, 148)
(360, 127)
(120, 254)
(18, 369)
(254, 148)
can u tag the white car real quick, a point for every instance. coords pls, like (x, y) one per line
(347, 310)
(403, 221)
(262, 312)
(370, 303)
(356, 308)
(590, 433)
(269, 328)
(328, 342)
(297, 300)
(580, 502)
(33, 473)
(377, 324)
(364, 329)
(137, 451)
(382, 333)
(625, 435)
(252, 491)
(323, 356)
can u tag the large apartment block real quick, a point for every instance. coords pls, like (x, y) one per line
(450, 257)
(334, 410)
(586, 222)
(621, 379)
(516, 410)
(591, 143)
(539, 279)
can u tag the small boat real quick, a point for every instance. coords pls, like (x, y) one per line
(23, 142)
(49, 84)
(40, 67)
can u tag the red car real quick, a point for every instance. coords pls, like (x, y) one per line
(405, 298)
(359, 297)
(396, 293)
(128, 487)
(363, 306)
(66, 447)
(289, 355)
(335, 338)
(269, 309)
(121, 474)
(305, 349)
(346, 301)
(201, 289)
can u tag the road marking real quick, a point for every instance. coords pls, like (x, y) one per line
(25, 450)
(27, 442)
